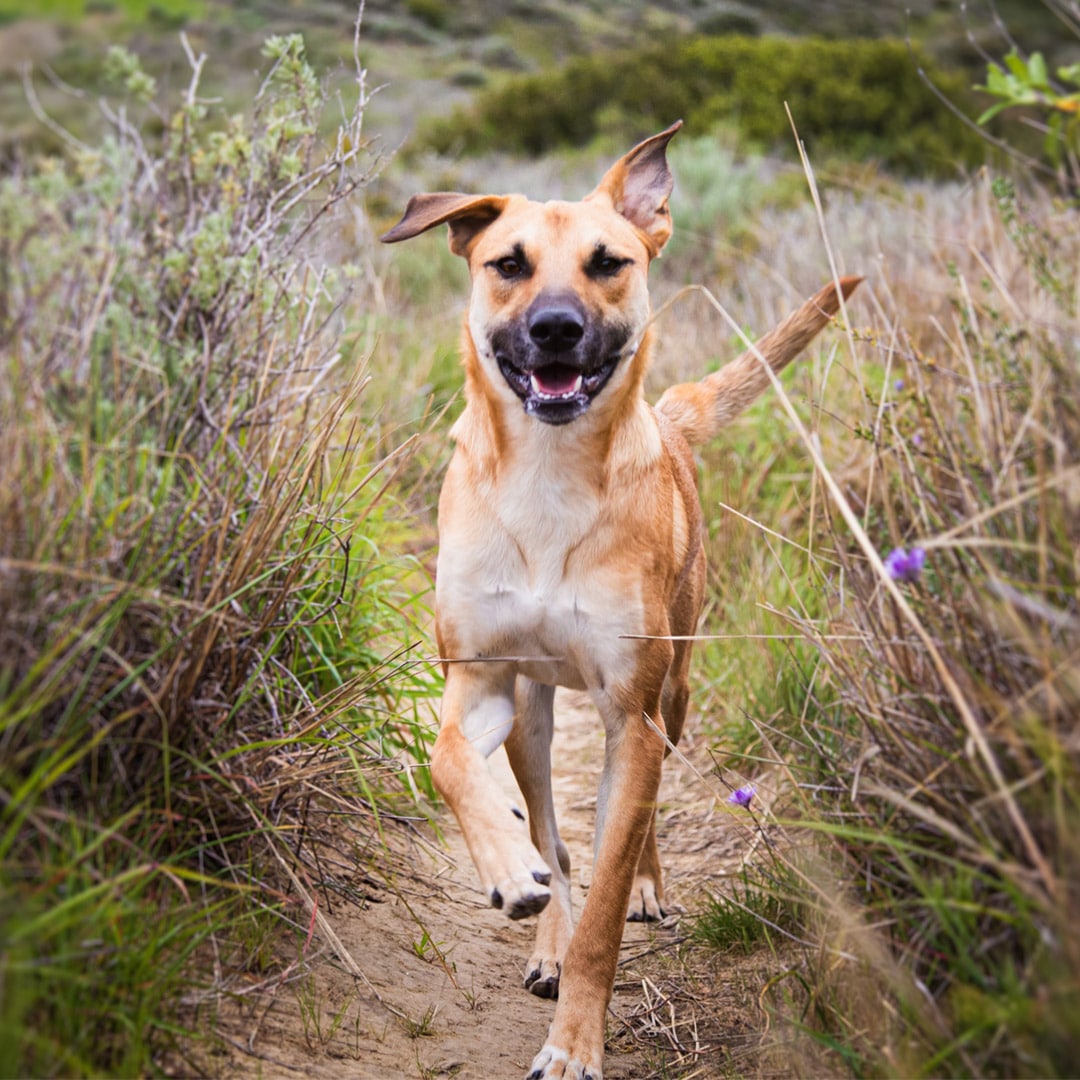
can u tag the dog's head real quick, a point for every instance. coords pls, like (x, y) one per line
(559, 296)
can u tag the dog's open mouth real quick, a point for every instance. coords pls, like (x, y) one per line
(554, 382)
(556, 393)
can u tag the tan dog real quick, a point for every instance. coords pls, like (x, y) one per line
(571, 555)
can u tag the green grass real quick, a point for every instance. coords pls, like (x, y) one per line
(73, 10)
(752, 913)
(920, 741)
(208, 630)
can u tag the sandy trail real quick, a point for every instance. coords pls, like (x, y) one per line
(444, 996)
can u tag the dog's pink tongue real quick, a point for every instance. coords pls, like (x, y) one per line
(555, 380)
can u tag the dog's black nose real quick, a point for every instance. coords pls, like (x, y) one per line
(556, 329)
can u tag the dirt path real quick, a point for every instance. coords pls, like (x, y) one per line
(443, 994)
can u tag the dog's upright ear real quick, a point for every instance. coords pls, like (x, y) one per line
(638, 186)
(467, 216)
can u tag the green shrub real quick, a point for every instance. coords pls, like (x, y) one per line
(434, 13)
(925, 741)
(1026, 83)
(853, 98)
(196, 615)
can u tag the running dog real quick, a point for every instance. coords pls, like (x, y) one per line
(571, 555)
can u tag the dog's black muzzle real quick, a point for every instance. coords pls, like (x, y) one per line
(557, 359)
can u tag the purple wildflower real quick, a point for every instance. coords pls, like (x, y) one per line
(898, 385)
(902, 565)
(742, 796)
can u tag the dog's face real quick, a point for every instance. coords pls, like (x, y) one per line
(559, 299)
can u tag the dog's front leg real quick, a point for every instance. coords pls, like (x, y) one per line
(634, 756)
(477, 715)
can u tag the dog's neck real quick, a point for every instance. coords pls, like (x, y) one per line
(614, 441)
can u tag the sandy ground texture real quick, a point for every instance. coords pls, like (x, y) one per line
(441, 993)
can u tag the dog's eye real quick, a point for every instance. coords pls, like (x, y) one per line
(603, 264)
(509, 267)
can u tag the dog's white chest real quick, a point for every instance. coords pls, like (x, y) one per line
(562, 633)
(532, 581)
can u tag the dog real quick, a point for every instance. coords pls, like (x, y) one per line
(571, 554)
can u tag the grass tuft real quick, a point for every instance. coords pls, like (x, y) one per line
(203, 646)
(923, 724)
(744, 917)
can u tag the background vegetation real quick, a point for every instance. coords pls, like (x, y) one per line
(202, 638)
(206, 588)
(918, 736)
(862, 98)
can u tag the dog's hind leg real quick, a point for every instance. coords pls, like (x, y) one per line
(529, 749)
(647, 894)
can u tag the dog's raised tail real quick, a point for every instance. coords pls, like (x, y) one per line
(699, 410)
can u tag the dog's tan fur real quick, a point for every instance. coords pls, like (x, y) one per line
(571, 555)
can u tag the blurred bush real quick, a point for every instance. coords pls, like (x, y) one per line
(855, 98)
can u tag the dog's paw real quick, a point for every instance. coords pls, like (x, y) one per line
(524, 892)
(552, 1063)
(512, 872)
(542, 977)
(644, 903)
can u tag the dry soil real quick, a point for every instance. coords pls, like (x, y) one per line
(440, 993)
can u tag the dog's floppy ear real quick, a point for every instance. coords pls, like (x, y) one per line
(638, 186)
(467, 215)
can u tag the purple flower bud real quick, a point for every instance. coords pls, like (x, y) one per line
(903, 565)
(742, 796)
(898, 385)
